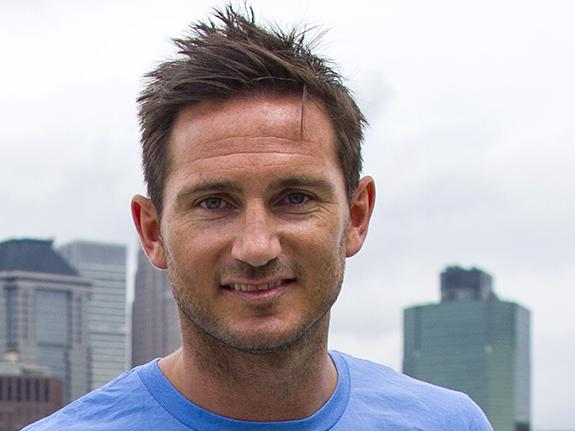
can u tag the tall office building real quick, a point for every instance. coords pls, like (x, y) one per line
(155, 323)
(105, 266)
(43, 303)
(475, 343)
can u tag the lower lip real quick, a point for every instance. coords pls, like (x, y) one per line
(260, 295)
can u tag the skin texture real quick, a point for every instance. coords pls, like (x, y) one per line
(254, 196)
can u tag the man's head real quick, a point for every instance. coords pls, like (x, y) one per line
(260, 197)
(234, 57)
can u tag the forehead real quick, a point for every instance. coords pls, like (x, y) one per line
(260, 124)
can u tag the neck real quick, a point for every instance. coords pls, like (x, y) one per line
(291, 384)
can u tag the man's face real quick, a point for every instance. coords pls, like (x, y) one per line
(255, 226)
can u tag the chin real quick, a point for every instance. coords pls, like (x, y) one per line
(261, 346)
(266, 341)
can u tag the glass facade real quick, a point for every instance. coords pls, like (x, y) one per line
(478, 347)
(52, 315)
(53, 330)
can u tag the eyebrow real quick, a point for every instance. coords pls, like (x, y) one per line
(207, 186)
(305, 181)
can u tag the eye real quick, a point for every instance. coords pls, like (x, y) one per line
(295, 199)
(214, 203)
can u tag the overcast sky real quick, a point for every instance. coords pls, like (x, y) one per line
(471, 143)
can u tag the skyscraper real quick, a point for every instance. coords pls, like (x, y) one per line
(43, 304)
(475, 343)
(105, 266)
(155, 323)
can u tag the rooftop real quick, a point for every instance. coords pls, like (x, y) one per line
(32, 255)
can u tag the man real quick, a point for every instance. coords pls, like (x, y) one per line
(251, 153)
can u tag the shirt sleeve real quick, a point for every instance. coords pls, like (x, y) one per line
(477, 421)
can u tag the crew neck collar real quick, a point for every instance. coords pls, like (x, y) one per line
(196, 417)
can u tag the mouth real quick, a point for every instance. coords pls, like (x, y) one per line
(257, 287)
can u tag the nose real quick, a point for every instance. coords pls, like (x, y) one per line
(256, 242)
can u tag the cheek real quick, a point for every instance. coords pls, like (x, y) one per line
(189, 265)
(328, 236)
(187, 242)
(320, 249)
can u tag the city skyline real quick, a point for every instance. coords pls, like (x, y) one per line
(470, 143)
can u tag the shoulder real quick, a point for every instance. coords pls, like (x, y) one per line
(113, 406)
(383, 393)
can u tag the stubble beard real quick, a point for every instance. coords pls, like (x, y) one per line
(211, 332)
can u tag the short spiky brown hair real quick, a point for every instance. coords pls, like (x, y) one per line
(232, 56)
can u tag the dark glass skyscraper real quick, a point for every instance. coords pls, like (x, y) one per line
(475, 343)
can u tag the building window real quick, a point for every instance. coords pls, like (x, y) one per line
(79, 312)
(36, 390)
(25, 317)
(11, 317)
(28, 397)
(52, 317)
(9, 395)
(18, 389)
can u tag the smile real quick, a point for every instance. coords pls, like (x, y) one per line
(254, 287)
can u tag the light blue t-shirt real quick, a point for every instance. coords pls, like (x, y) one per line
(367, 396)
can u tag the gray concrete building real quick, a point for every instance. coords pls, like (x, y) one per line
(155, 322)
(475, 343)
(104, 265)
(43, 307)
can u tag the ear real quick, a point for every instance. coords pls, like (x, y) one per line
(148, 226)
(361, 208)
